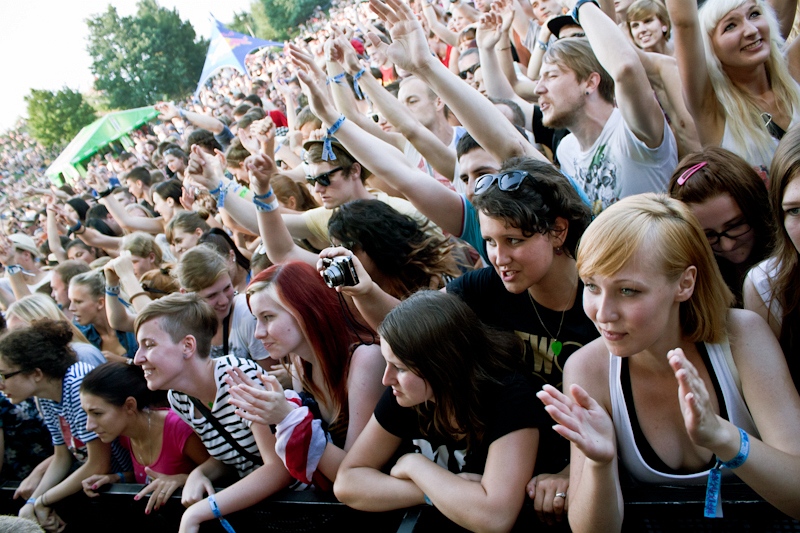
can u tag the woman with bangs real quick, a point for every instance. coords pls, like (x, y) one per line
(662, 309)
(203, 271)
(732, 205)
(650, 28)
(737, 77)
(336, 380)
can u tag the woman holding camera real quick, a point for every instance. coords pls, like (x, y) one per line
(336, 379)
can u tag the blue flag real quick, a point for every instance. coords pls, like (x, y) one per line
(228, 49)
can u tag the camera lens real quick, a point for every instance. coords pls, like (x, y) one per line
(333, 276)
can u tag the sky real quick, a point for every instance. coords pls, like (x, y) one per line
(43, 43)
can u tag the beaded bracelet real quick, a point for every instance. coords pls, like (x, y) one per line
(212, 501)
(356, 88)
(713, 505)
(327, 151)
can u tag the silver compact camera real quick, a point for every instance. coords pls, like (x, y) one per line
(339, 272)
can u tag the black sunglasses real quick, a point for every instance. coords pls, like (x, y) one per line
(506, 181)
(324, 179)
(470, 70)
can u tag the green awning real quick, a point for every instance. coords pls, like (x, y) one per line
(96, 135)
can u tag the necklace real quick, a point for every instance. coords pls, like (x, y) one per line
(140, 456)
(556, 345)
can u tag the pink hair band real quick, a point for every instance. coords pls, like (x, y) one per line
(690, 171)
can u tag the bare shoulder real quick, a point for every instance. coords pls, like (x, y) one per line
(588, 367)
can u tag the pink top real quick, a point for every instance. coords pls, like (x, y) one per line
(171, 460)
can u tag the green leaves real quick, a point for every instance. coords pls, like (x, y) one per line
(141, 59)
(56, 117)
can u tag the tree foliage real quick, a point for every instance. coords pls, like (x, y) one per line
(54, 118)
(280, 17)
(141, 59)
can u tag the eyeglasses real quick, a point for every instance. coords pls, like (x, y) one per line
(732, 233)
(470, 70)
(324, 179)
(506, 181)
(8, 375)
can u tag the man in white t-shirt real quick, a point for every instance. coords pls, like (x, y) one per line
(612, 152)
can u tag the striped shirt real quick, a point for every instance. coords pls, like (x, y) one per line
(66, 420)
(236, 426)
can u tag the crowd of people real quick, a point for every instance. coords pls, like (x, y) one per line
(464, 254)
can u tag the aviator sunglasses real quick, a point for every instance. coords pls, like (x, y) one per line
(506, 181)
(324, 179)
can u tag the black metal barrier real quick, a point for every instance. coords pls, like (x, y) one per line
(652, 509)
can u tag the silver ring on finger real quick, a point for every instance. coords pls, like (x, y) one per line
(561, 495)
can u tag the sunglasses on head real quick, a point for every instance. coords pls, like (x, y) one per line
(324, 179)
(506, 181)
(470, 70)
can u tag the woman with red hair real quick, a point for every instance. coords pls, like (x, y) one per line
(336, 378)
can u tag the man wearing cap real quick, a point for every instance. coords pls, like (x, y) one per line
(20, 257)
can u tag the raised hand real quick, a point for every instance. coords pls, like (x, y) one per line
(489, 30)
(505, 9)
(266, 405)
(346, 54)
(701, 421)
(364, 284)
(261, 169)
(204, 170)
(160, 488)
(168, 111)
(263, 130)
(409, 49)
(582, 421)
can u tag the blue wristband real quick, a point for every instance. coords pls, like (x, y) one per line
(30, 501)
(121, 475)
(264, 196)
(327, 151)
(713, 505)
(336, 79)
(266, 208)
(356, 88)
(427, 500)
(217, 514)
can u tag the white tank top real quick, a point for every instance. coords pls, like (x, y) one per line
(629, 454)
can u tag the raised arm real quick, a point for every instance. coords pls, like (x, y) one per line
(442, 31)
(410, 51)
(634, 96)
(435, 152)
(786, 10)
(169, 111)
(53, 236)
(153, 226)
(343, 96)
(277, 239)
(430, 197)
(701, 100)
(205, 171)
(493, 32)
